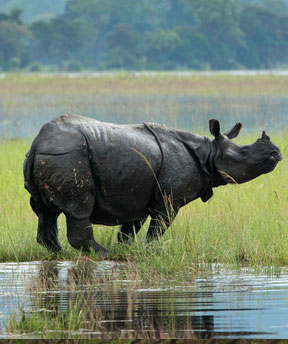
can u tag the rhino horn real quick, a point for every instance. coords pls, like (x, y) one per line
(264, 137)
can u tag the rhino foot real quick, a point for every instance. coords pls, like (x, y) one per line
(100, 250)
(80, 236)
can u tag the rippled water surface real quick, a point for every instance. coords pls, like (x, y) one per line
(24, 116)
(223, 304)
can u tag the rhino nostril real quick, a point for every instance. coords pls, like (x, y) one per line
(276, 155)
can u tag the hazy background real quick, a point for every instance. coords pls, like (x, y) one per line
(143, 35)
(102, 36)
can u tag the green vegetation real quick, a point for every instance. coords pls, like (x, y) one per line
(60, 325)
(241, 224)
(21, 84)
(152, 34)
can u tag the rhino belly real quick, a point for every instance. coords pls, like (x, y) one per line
(121, 204)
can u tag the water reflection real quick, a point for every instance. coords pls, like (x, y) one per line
(118, 308)
(222, 305)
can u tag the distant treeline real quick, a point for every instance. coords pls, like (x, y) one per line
(149, 34)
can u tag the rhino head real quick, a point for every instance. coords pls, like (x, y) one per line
(239, 163)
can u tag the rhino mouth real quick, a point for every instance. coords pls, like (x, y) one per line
(276, 156)
(272, 162)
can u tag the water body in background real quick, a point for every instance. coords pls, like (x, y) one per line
(223, 304)
(24, 116)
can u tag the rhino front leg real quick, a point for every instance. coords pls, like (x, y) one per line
(160, 221)
(80, 236)
(156, 229)
(130, 229)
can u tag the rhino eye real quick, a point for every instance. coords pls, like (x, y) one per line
(244, 152)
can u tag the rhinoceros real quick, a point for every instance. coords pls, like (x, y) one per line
(115, 174)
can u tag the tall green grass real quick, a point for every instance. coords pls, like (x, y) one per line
(241, 224)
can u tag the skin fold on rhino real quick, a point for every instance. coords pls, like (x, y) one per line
(110, 174)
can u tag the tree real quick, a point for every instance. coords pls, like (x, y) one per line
(14, 39)
(14, 16)
(56, 41)
(266, 37)
(218, 20)
(159, 34)
(180, 13)
(122, 47)
(42, 43)
(161, 48)
(194, 50)
(95, 15)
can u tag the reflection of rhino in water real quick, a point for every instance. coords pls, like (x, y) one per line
(102, 173)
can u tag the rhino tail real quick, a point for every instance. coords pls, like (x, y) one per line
(28, 170)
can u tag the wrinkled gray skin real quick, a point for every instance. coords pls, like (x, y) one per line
(110, 174)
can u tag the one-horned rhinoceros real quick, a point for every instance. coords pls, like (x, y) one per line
(110, 174)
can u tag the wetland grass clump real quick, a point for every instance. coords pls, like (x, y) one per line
(241, 224)
(47, 325)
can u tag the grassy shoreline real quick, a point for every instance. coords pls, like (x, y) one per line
(242, 224)
(161, 84)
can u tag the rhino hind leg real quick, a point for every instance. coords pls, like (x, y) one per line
(80, 236)
(47, 232)
(128, 230)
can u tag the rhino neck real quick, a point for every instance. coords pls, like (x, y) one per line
(203, 151)
(216, 177)
(212, 177)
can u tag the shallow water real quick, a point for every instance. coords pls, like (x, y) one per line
(23, 116)
(224, 304)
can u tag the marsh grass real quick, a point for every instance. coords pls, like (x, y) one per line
(187, 102)
(241, 224)
(127, 84)
(48, 325)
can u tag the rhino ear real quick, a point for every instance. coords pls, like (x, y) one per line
(265, 137)
(214, 127)
(233, 132)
